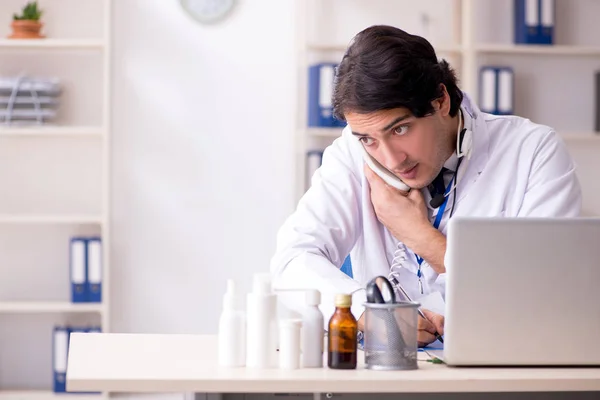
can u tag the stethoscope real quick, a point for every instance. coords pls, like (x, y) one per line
(464, 142)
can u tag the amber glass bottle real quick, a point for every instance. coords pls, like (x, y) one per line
(341, 341)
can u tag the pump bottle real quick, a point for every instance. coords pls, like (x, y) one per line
(232, 327)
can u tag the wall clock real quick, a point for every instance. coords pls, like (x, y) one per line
(207, 11)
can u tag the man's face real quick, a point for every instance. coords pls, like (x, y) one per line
(414, 149)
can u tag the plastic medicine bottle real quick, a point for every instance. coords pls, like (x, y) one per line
(342, 337)
(289, 343)
(312, 331)
(261, 324)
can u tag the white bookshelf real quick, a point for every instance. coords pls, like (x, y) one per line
(53, 43)
(35, 219)
(45, 395)
(590, 137)
(55, 180)
(342, 47)
(50, 307)
(534, 50)
(471, 33)
(324, 132)
(49, 131)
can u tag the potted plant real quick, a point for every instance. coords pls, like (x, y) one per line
(27, 25)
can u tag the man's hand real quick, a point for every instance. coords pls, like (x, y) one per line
(427, 328)
(361, 322)
(405, 216)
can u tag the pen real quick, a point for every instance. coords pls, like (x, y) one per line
(397, 284)
(436, 334)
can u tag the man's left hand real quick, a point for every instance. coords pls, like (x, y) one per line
(404, 215)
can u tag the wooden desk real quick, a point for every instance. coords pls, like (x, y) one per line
(187, 363)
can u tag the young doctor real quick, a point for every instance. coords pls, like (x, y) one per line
(405, 108)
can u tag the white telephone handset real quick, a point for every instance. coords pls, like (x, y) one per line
(383, 172)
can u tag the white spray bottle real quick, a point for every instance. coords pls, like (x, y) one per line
(232, 330)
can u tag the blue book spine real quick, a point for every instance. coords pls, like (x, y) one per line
(60, 348)
(488, 87)
(547, 20)
(78, 269)
(94, 269)
(505, 97)
(527, 29)
(496, 90)
(320, 91)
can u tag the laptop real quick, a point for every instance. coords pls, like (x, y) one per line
(522, 292)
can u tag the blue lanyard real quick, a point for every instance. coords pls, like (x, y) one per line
(438, 220)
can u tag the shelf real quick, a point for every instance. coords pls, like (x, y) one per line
(84, 131)
(52, 43)
(324, 132)
(326, 47)
(588, 214)
(49, 219)
(49, 307)
(447, 49)
(581, 137)
(539, 49)
(45, 395)
(342, 47)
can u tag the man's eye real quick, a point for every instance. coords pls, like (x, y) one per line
(367, 141)
(401, 130)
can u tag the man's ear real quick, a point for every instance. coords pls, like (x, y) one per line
(442, 103)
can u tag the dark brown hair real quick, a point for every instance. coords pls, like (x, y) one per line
(385, 67)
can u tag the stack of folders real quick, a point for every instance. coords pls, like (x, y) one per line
(320, 90)
(86, 269)
(534, 21)
(60, 350)
(26, 101)
(496, 88)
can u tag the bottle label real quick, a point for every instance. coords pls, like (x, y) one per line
(342, 340)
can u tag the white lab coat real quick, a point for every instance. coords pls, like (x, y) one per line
(517, 169)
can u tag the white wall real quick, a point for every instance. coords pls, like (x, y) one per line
(203, 120)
